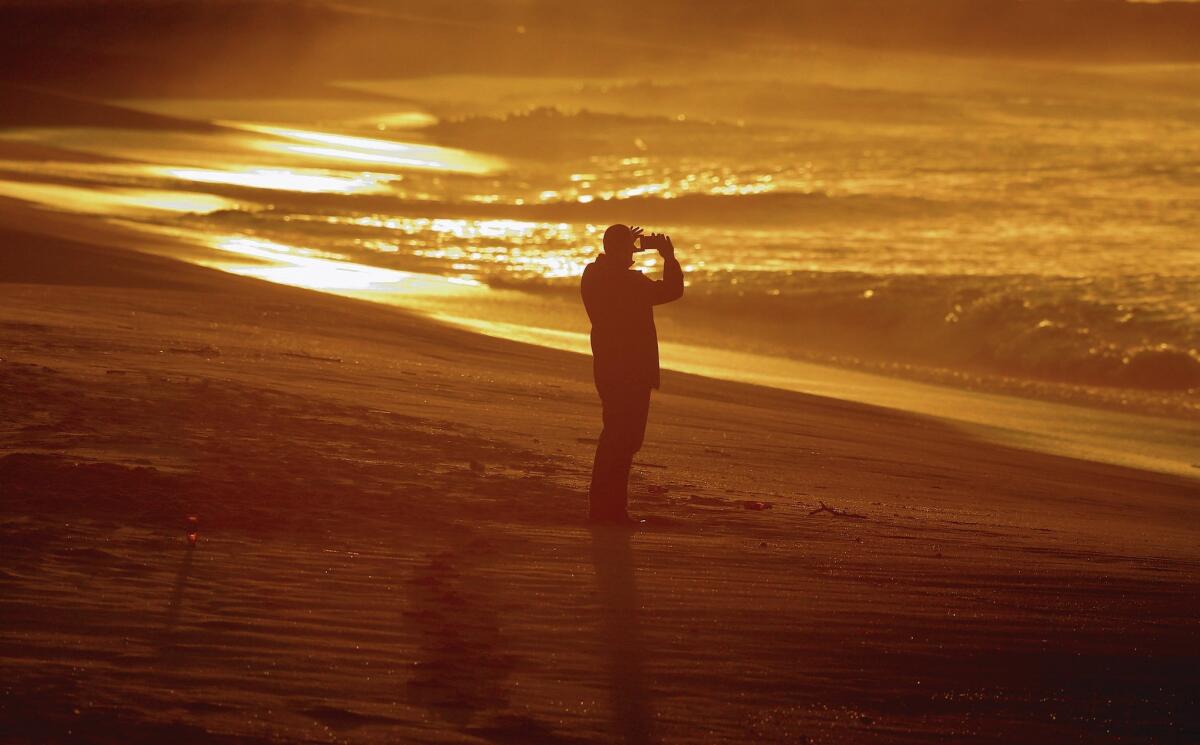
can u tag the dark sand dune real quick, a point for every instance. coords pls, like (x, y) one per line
(390, 543)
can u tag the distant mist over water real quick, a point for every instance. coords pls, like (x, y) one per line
(284, 47)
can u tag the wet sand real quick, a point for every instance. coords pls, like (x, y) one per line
(391, 547)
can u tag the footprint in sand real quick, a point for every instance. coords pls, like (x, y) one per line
(461, 668)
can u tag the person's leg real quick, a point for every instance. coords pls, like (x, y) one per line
(620, 479)
(635, 413)
(600, 493)
(625, 413)
(601, 496)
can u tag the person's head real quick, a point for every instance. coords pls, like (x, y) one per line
(619, 243)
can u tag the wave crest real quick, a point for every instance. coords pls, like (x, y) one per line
(552, 133)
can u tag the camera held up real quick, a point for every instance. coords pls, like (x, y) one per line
(651, 241)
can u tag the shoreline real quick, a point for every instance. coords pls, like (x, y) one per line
(1088, 433)
(1099, 433)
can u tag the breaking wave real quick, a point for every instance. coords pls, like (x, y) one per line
(552, 133)
(1058, 329)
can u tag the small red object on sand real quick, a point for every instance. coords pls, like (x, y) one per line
(193, 529)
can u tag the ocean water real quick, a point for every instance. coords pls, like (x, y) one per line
(1018, 228)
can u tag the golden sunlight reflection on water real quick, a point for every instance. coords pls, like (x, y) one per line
(301, 267)
(252, 155)
(372, 151)
(545, 249)
(285, 179)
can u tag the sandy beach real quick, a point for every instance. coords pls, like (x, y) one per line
(391, 542)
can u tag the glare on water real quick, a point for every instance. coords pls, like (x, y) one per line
(370, 150)
(283, 179)
(301, 267)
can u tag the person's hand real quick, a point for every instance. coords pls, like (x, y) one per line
(635, 233)
(666, 248)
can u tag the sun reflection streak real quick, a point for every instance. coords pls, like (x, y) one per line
(392, 160)
(291, 265)
(284, 179)
(546, 249)
(374, 151)
(302, 267)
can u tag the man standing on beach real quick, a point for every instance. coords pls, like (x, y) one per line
(620, 303)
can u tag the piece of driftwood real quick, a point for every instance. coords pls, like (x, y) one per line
(307, 356)
(836, 512)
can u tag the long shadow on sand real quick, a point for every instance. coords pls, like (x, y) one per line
(620, 639)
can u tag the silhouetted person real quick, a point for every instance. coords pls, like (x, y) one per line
(620, 303)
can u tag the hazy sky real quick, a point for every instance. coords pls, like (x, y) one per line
(141, 46)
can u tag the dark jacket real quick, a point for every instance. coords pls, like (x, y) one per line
(620, 303)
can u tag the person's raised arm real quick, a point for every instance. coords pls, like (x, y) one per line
(670, 287)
